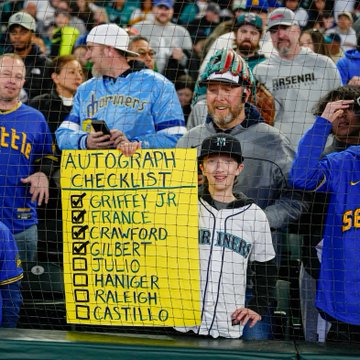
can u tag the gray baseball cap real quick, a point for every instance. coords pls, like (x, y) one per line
(22, 19)
(281, 16)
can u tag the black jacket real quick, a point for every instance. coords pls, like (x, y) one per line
(50, 216)
(52, 108)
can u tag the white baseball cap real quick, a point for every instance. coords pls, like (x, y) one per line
(110, 35)
(227, 77)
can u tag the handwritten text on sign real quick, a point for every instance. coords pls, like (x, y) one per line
(130, 237)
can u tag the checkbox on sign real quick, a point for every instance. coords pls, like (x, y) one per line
(82, 312)
(80, 279)
(79, 248)
(77, 201)
(78, 232)
(78, 216)
(79, 264)
(82, 295)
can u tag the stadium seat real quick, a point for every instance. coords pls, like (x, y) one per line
(44, 297)
(289, 283)
(281, 318)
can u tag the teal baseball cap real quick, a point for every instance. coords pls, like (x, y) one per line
(249, 19)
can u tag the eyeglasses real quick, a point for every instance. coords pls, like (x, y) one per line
(151, 53)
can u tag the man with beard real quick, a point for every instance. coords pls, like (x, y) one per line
(138, 105)
(248, 31)
(296, 76)
(267, 152)
(224, 35)
(21, 28)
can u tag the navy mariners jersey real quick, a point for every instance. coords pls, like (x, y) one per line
(25, 139)
(143, 104)
(339, 175)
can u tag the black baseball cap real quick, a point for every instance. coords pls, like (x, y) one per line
(221, 143)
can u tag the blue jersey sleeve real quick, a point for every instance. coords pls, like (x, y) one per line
(69, 135)
(44, 143)
(308, 172)
(168, 120)
(343, 67)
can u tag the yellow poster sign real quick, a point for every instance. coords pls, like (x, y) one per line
(130, 229)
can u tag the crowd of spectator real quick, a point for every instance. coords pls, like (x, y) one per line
(192, 71)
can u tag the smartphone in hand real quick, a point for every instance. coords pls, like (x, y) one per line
(100, 125)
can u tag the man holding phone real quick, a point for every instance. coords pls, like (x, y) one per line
(138, 106)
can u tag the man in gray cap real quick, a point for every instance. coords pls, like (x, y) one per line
(296, 76)
(139, 106)
(21, 29)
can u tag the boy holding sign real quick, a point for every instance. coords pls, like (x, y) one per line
(232, 231)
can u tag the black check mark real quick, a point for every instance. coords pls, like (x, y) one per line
(77, 216)
(81, 249)
(77, 200)
(78, 232)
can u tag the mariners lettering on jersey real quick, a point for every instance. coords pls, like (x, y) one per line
(15, 140)
(351, 218)
(94, 104)
(225, 240)
(287, 82)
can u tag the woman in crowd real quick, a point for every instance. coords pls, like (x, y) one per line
(184, 86)
(314, 40)
(67, 75)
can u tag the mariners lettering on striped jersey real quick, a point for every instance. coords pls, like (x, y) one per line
(225, 240)
(93, 106)
(15, 140)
